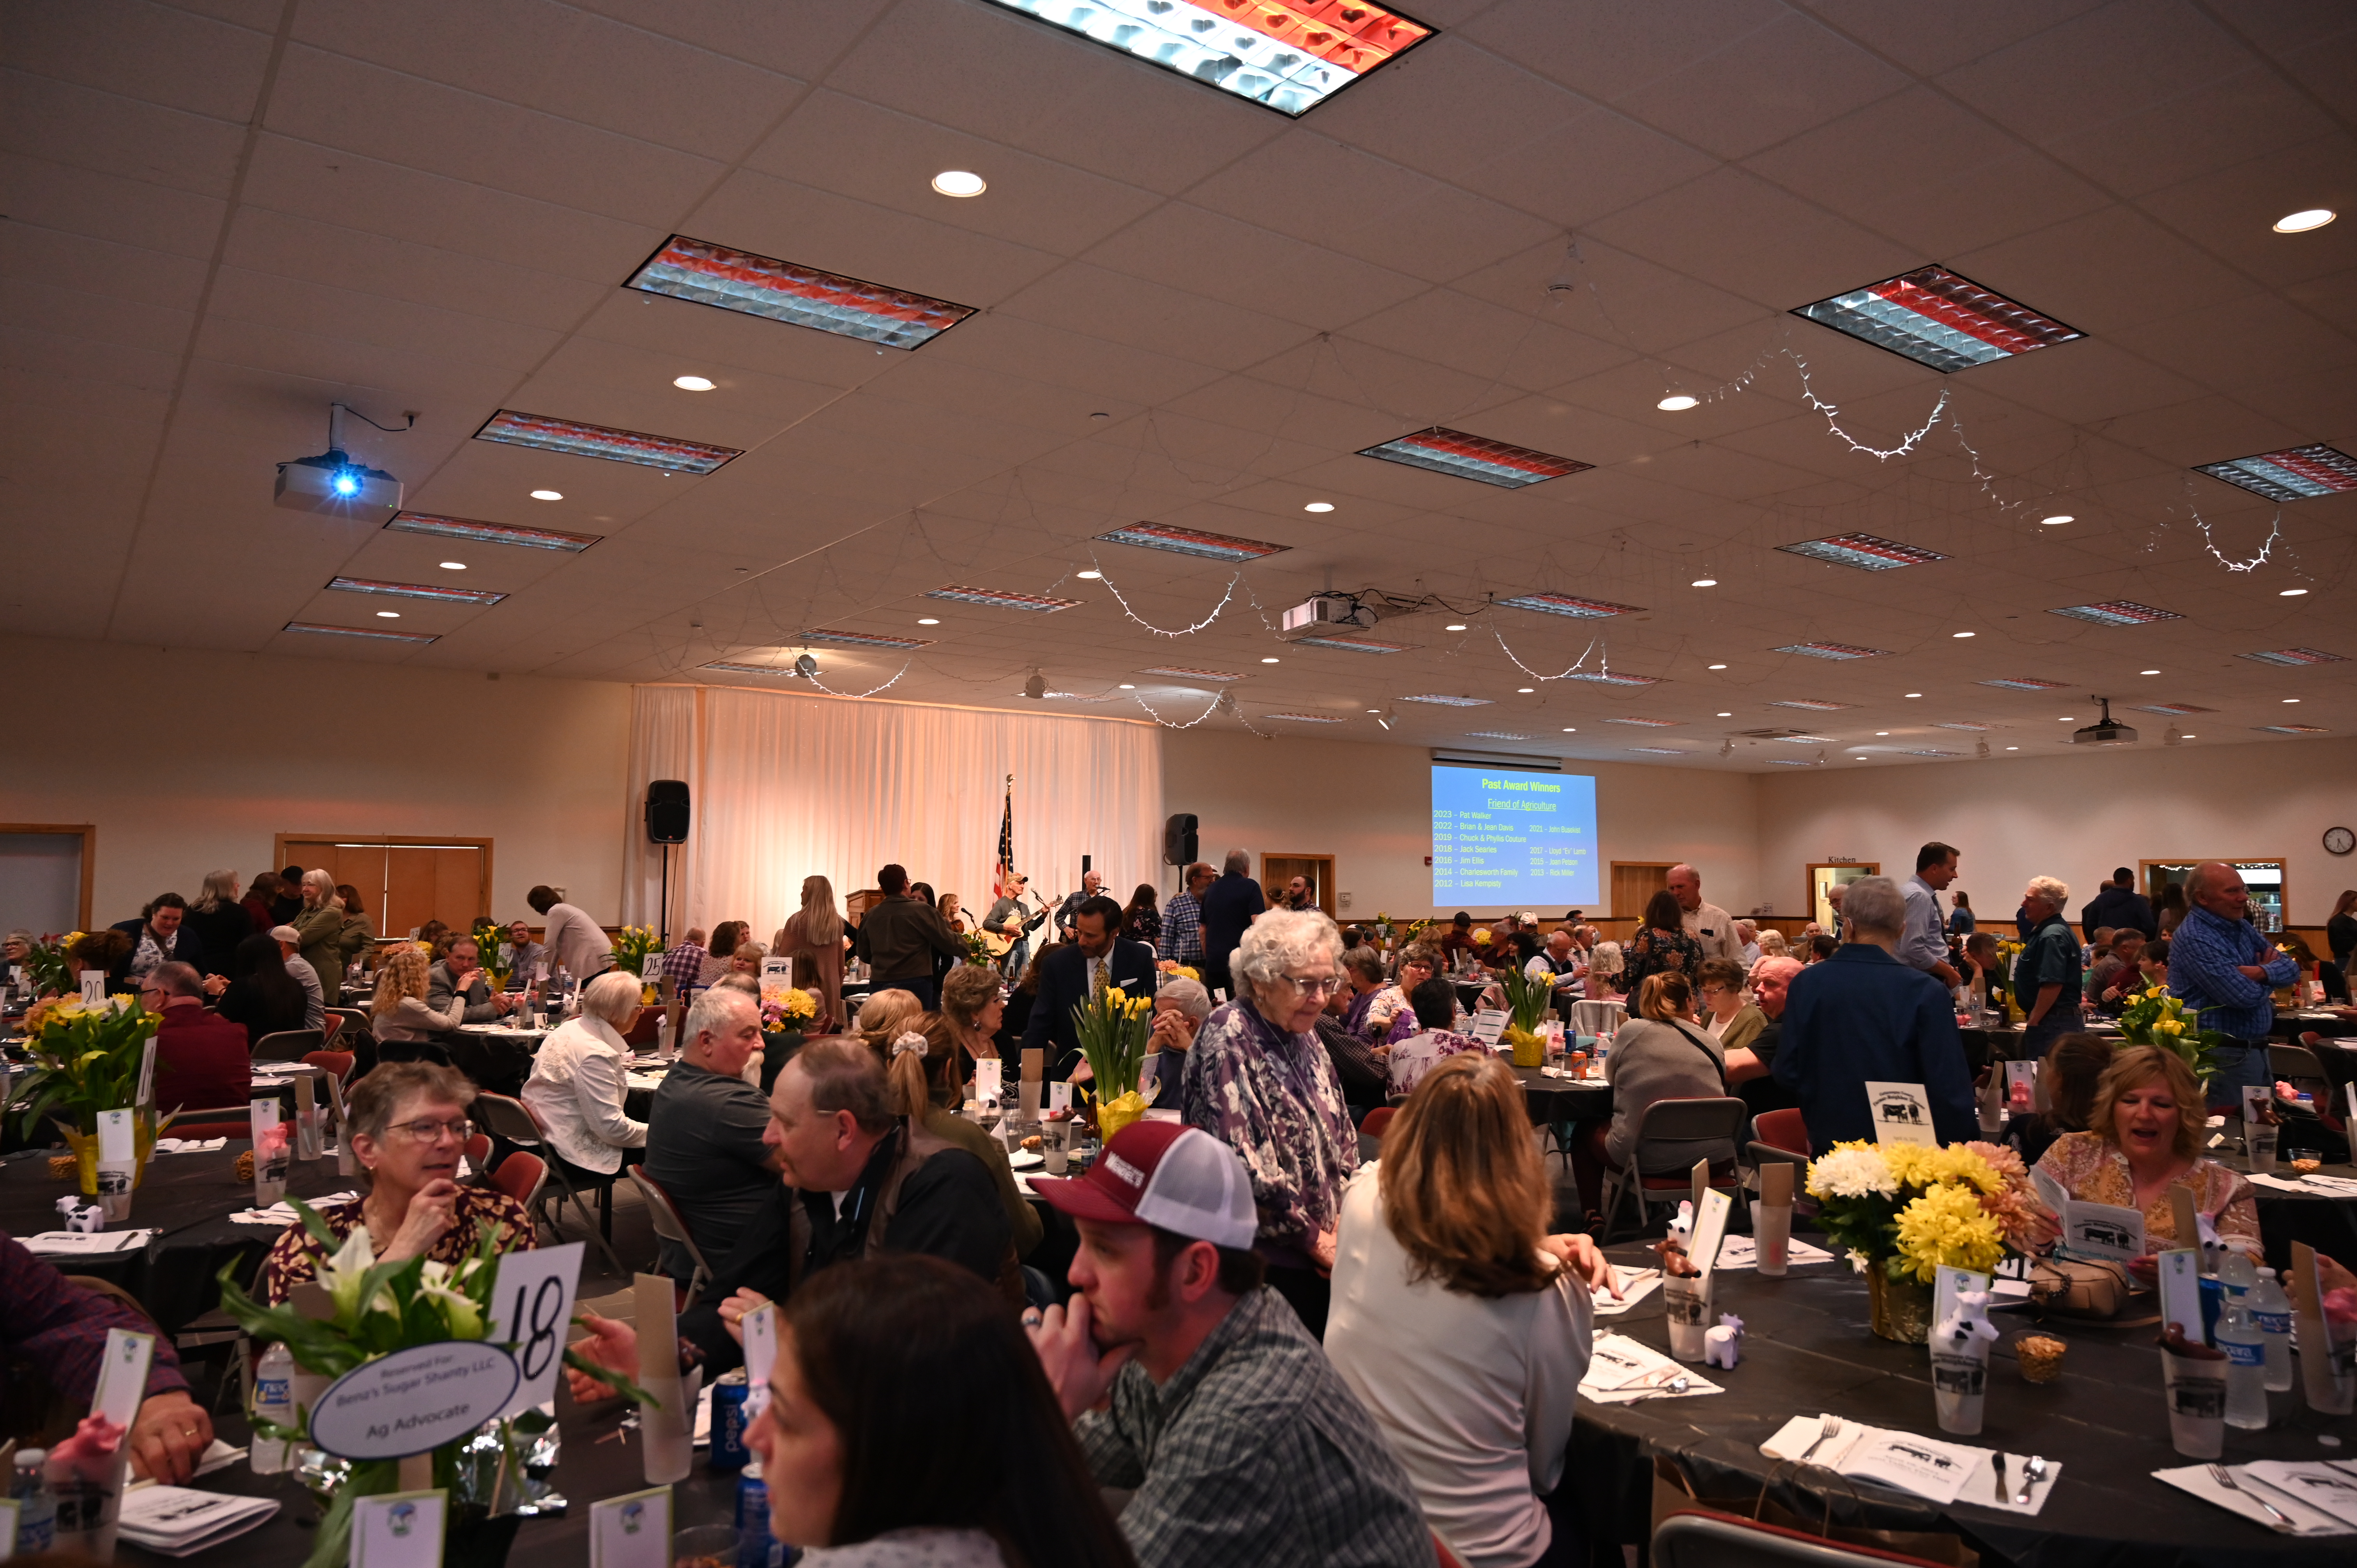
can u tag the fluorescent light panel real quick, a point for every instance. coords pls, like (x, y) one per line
(998, 599)
(1568, 605)
(1812, 704)
(1787, 762)
(733, 667)
(1662, 750)
(1810, 739)
(2116, 612)
(1474, 457)
(1446, 702)
(2297, 656)
(1863, 551)
(1347, 644)
(510, 428)
(2023, 683)
(1832, 651)
(414, 591)
(1963, 726)
(1934, 754)
(475, 533)
(2173, 710)
(1077, 697)
(1196, 541)
(2296, 473)
(1649, 724)
(1613, 677)
(320, 628)
(713, 275)
(1181, 672)
(1286, 55)
(1936, 317)
(1306, 719)
(865, 639)
(2292, 729)
(1496, 735)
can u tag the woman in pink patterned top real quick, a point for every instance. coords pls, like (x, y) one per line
(408, 1127)
(2147, 1118)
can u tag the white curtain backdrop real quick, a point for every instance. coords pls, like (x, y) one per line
(785, 787)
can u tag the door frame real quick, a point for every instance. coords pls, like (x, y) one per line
(1809, 879)
(2283, 862)
(1326, 892)
(1612, 872)
(393, 840)
(89, 833)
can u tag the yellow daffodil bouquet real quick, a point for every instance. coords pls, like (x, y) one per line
(633, 945)
(1528, 998)
(50, 966)
(86, 1058)
(1115, 1029)
(1905, 1209)
(2154, 1017)
(500, 1468)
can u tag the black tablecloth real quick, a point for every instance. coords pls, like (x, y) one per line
(188, 1199)
(1807, 1350)
(1558, 1100)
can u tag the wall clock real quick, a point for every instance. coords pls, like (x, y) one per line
(2340, 841)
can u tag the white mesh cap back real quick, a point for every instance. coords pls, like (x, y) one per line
(1199, 1189)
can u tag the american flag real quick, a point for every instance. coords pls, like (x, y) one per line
(1002, 881)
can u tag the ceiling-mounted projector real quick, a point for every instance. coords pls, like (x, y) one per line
(335, 485)
(1313, 617)
(2103, 731)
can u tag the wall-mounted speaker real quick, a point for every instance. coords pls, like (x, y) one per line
(1178, 839)
(667, 811)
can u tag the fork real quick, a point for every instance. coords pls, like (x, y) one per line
(2033, 1470)
(2225, 1477)
(1832, 1425)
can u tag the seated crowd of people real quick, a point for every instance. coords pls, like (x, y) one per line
(1248, 1339)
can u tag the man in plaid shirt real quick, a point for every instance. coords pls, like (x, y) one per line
(1240, 1443)
(1182, 920)
(683, 964)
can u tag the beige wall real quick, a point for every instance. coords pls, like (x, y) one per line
(1370, 806)
(2074, 815)
(188, 761)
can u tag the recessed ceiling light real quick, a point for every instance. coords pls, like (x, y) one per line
(1088, 576)
(1319, 506)
(1454, 626)
(1568, 730)
(1525, 691)
(1726, 716)
(2181, 737)
(2302, 222)
(2065, 719)
(2291, 699)
(1269, 660)
(548, 494)
(1914, 693)
(1718, 666)
(1677, 403)
(1127, 686)
(693, 384)
(2057, 519)
(2012, 749)
(928, 620)
(1858, 759)
(959, 182)
(1960, 634)
(1882, 732)
(388, 614)
(1705, 583)
(454, 566)
(2290, 593)
(2147, 671)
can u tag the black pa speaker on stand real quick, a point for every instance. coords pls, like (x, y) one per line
(667, 819)
(1178, 839)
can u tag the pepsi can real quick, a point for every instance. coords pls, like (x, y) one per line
(728, 1450)
(756, 1547)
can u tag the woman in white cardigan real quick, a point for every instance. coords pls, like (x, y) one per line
(580, 1077)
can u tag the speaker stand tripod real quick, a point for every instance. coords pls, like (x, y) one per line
(662, 910)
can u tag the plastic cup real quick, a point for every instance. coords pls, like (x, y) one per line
(2260, 1138)
(1960, 1386)
(2196, 1390)
(1687, 1302)
(1056, 1144)
(1772, 1238)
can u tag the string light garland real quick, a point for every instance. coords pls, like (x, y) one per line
(1605, 668)
(813, 680)
(1233, 583)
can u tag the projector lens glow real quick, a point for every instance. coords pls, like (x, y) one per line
(1286, 55)
(346, 482)
(1474, 457)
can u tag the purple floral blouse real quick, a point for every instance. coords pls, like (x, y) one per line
(1273, 1097)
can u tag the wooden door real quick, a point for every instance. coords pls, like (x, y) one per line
(403, 881)
(1278, 870)
(1634, 883)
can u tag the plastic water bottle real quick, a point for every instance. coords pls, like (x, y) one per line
(2272, 1308)
(2245, 1344)
(37, 1506)
(273, 1401)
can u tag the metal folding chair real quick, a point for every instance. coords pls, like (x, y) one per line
(672, 1226)
(289, 1045)
(1666, 1122)
(511, 1121)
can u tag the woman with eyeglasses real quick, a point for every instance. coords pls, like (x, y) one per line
(1259, 1080)
(408, 1127)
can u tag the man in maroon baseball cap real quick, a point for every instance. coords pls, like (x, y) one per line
(1259, 1452)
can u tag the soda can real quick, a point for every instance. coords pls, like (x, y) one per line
(756, 1548)
(728, 1450)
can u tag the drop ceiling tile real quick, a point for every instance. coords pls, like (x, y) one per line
(2087, 382)
(2102, 274)
(565, 63)
(285, 245)
(2241, 343)
(372, 113)
(1041, 352)
(2252, 114)
(1595, 164)
(1605, 51)
(1324, 193)
(85, 128)
(1092, 300)
(1735, 231)
(1525, 347)
(336, 313)
(1455, 105)
(709, 341)
(1222, 258)
(67, 313)
(1900, 34)
(108, 207)
(100, 267)
(1767, 87)
(1080, 102)
(2096, 69)
(2231, 212)
(159, 54)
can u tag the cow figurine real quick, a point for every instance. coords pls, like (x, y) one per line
(82, 1218)
(1723, 1346)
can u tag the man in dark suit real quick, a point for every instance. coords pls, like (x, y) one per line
(1067, 976)
(1231, 904)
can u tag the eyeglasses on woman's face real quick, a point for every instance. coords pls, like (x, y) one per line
(432, 1129)
(1314, 984)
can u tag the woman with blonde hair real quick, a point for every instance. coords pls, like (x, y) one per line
(1773, 945)
(812, 937)
(1656, 1055)
(218, 920)
(888, 1014)
(924, 1061)
(1444, 1244)
(404, 1026)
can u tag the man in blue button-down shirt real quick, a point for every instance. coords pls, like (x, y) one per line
(1862, 1017)
(1925, 944)
(2219, 962)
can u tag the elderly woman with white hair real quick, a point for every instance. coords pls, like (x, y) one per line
(319, 931)
(579, 1081)
(1258, 1079)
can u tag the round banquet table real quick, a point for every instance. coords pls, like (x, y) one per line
(187, 1200)
(496, 1056)
(1807, 1350)
(1559, 1100)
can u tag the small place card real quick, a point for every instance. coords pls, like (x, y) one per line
(93, 986)
(413, 1400)
(1949, 1283)
(2020, 1087)
(1901, 1113)
(988, 1081)
(760, 1327)
(633, 1531)
(2180, 1291)
(1710, 1230)
(398, 1529)
(1059, 1098)
(123, 1376)
(146, 1095)
(532, 1301)
(1488, 1024)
